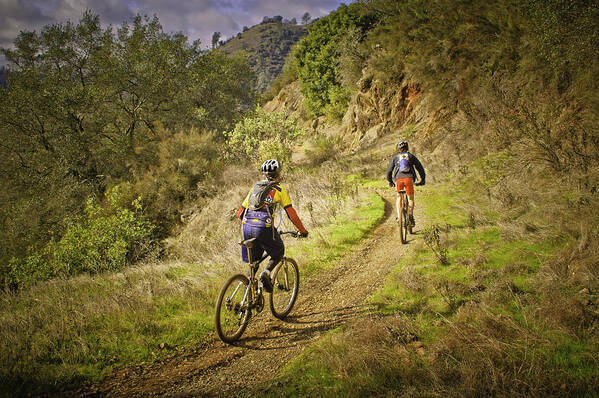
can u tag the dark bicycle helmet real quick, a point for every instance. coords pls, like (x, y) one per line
(402, 146)
(270, 168)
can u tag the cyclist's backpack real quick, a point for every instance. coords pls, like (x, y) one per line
(404, 162)
(259, 193)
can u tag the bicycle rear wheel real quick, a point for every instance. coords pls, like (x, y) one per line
(231, 311)
(285, 281)
(403, 222)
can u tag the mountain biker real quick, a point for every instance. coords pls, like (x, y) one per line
(259, 223)
(401, 174)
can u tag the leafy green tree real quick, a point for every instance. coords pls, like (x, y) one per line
(81, 110)
(317, 56)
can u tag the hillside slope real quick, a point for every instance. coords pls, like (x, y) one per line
(267, 45)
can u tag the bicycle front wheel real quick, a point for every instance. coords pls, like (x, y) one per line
(285, 281)
(232, 312)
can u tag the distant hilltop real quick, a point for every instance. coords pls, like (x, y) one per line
(267, 45)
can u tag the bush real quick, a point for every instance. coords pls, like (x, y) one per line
(185, 168)
(325, 148)
(262, 136)
(106, 238)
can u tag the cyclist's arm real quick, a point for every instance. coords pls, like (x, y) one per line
(240, 212)
(292, 214)
(243, 206)
(419, 168)
(282, 197)
(390, 170)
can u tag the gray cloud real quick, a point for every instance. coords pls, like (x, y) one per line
(197, 19)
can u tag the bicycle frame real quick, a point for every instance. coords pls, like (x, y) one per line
(234, 306)
(252, 291)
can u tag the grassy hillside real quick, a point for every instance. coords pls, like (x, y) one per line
(65, 332)
(487, 304)
(267, 45)
(499, 100)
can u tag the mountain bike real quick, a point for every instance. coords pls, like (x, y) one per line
(403, 221)
(243, 294)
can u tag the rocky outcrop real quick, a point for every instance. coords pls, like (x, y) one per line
(376, 110)
(379, 109)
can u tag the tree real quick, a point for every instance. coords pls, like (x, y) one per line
(317, 57)
(306, 18)
(215, 39)
(81, 110)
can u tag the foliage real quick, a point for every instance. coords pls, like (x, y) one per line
(324, 148)
(186, 167)
(262, 136)
(82, 109)
(317, 56)
(106, 239)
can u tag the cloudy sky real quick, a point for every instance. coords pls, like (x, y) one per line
(197, 19)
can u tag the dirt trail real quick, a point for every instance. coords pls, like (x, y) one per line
(325, 301)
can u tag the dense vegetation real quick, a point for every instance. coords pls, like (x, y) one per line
(320, 55)
(3, 76)
(106, 138)
(87, 109)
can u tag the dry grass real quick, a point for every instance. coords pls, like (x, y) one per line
(62, 331)
(54, 330)
(212, 233)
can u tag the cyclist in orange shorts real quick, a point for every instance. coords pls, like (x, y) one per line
(401, 173)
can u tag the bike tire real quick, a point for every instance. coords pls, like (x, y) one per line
(230, 316)
(285, 281)
(403, 226)
(409, 224)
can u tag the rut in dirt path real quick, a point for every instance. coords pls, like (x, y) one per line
(326, 301)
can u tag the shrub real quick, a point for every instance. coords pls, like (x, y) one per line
(262, 136)
(186, 165)
(106, 238)
(325, 148)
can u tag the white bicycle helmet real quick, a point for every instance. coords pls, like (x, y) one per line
(402, 146)
(270, 168)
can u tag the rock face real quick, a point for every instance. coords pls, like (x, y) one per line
(378, 110)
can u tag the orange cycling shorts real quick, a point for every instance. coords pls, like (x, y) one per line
(405, 183)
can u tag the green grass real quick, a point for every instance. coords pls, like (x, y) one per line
(482, 314)
(64, 332)
(330, 243)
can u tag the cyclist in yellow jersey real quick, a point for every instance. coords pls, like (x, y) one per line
(258, 215)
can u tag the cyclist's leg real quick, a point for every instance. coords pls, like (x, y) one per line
(410, 192)
(399, 185)
(273, 244)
